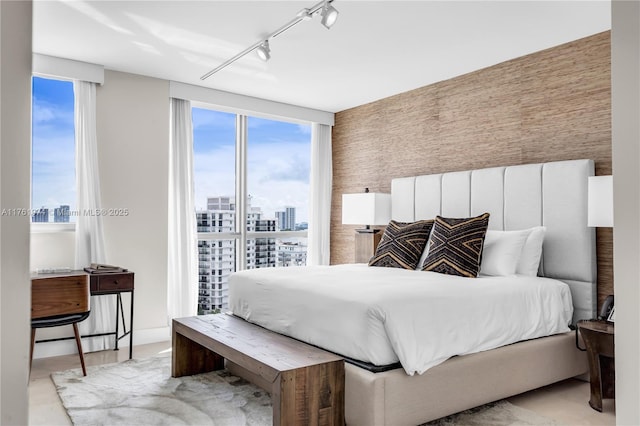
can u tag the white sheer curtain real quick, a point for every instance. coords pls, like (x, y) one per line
(89, 232)
(320, 197)
(182, 295)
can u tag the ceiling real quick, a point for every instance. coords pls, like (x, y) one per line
(375, 49)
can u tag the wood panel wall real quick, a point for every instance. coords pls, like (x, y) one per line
(551, 105)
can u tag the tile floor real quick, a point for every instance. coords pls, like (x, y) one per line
(565, 402)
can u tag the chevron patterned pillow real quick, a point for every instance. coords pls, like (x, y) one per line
(455, 245)
(402, 244)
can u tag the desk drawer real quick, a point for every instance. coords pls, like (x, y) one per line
(111, 282)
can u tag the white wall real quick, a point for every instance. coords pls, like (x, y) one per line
(52, 250)
(625, 103)
(15, 176)
(133, 152)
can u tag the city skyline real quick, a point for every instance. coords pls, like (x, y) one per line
(61, 214)
(217, 258)
(285, 218)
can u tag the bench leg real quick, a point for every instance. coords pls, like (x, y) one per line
(188, 357)
(310, 396)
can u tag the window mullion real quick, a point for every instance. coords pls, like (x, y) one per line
(241, 191)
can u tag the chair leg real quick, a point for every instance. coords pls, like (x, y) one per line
(75, 331)
(33, 342)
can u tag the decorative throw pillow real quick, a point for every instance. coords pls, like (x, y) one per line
(501, 252)
(455, 245)
(402, 244)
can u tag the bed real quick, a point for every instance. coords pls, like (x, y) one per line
(455, 374)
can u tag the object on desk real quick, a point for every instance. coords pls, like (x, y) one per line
(612, 315)
(57, 270)
(103, 266)
(98, 268)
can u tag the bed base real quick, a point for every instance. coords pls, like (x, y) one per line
(460, 383)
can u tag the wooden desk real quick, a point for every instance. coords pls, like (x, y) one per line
(598, 337)
(104, 284)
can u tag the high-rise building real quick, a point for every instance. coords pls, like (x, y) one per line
(292, 253)
(281, 218)
(286, 219)
(217, 258)
(61, 214)
(290, 218)
(221, 203)
(42, 215)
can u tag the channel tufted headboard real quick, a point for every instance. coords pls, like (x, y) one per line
(517, 197)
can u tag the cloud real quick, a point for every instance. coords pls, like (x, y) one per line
(278, 176)
(290, 169)
(53, 167)
(48, 113)
(278, 162)
(305, 129)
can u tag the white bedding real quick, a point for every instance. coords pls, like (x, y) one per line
(385, 315)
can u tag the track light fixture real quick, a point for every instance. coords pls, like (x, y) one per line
(263, 51)
(329, 16)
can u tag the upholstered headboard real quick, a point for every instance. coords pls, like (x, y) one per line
(518, 197)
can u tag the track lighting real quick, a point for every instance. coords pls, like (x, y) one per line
(263, 51)
(305, 14)
(329, 16)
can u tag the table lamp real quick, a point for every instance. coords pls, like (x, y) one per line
(600, 207)
(367, 208)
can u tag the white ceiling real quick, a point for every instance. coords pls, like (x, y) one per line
(376, 48)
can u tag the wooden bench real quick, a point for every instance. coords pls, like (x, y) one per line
(306, 383)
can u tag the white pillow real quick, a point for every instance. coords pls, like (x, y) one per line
(531, 252)
(501, 252)
(425, 252)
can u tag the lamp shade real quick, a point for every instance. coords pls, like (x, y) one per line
(600, 211)
(367, 208)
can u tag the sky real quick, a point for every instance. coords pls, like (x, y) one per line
(278, 155)
(53, 149)
(278, 161)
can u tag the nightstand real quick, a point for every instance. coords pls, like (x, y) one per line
(598, 337)
(366, 243)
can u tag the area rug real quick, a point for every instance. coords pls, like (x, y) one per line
(142, 392)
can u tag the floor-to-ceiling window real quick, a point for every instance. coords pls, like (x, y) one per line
(53, 184)
(254, 168)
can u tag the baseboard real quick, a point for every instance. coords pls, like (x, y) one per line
(67, 347)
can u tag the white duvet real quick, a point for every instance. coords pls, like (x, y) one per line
(385, 315)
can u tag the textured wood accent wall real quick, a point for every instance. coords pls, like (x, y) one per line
(548, 106)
